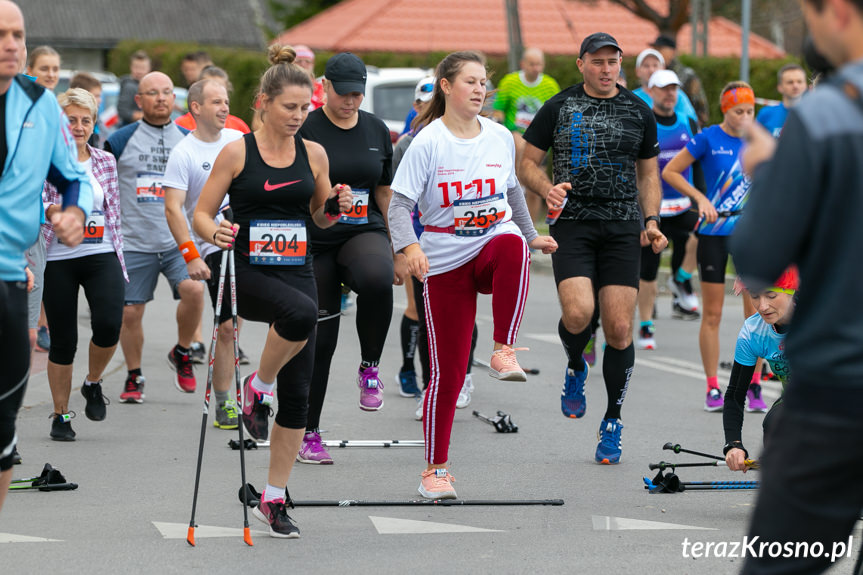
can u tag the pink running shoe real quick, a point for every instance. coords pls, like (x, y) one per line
(755, 403)
(504, 365)
(436, 484)
(313, 451)
(256, 410)
(371, 389)
(714, 401)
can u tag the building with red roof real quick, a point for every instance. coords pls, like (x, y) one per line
(554, 26)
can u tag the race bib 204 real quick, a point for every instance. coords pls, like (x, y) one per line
(277, 242)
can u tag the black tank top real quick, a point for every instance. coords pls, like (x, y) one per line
(262, 192)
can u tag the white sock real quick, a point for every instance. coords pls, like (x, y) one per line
(271, 493)
(88, 382)
(263, 386)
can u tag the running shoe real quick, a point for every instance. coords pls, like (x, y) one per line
(347, 303)
(646, 338)
(407, 381)
(609, 448)
(313, 450)
(679, 312)
(182, 364)
(96, 402)
(464, 395)
(16, 457)
(43, 339)
(275, 514)
(754, 401)
(504, 365)
(436, 484)
(683, 293)
(244, 359)
(572, 401)
(227, 416)
(61, 426)
(133, 389)
(589, 353)
(714, 401)
(197, 352)
(256, 410)
(371, 389)
(420, 406)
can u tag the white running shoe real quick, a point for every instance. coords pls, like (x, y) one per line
(420, 406)
(464, 395)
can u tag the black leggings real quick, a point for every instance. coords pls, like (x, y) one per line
(15, 359)
(104, 287)
(365, 264)
(677, 229)
(284, 297)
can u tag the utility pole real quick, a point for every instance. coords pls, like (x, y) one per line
(746, 24)
(514, 29)
(699, 18)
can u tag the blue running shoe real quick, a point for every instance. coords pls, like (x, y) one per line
(608, 450)
(572, 401)
(407, 381)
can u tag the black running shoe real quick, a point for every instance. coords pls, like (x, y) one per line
(275, 514)
(96, 402)
(256, 410)
(244, 359)
(197, 352)
(61, 427)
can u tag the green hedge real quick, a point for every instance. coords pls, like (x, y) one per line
(245, 68)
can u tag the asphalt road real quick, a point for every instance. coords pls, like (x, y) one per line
(136, 471)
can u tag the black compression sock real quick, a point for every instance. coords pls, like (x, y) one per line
(135, 372)
(617, 371)
(368, 364)
(573, 345)
(409, 332)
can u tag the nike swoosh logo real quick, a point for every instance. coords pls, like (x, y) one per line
(270, 187)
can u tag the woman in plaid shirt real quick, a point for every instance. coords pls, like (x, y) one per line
(96, 265)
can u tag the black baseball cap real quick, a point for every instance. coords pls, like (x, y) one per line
(596, 41)
(664, 41)
(347, 73)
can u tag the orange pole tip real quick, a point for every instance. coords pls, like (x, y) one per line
(190, 538)
(247, 536)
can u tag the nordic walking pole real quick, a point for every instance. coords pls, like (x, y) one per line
(247, 535)
(190, 538)
(677, 449)
(750, 464)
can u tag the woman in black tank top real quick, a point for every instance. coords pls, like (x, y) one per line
(279, 187)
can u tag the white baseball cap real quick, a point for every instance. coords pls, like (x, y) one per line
(663, 78)
(425, 89)
(649, 52)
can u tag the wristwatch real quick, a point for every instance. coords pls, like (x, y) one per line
(734, 445)
(654, 218)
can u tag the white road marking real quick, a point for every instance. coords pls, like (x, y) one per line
(181, 530)
(394, 526)
(606, 523)
(12, 538)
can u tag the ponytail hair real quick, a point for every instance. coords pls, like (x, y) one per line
(282, 73)
(448, 68)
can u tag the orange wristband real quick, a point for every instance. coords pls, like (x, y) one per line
(189, 251)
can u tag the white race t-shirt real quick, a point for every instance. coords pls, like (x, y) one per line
(440, 170)
(188, 168)
(97, 235)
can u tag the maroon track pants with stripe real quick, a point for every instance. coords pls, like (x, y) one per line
(502, 269)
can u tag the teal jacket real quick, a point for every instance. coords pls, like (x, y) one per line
(39, 147)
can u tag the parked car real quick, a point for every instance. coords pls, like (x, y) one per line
(390, 95)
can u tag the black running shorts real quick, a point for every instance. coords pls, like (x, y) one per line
(607, 252)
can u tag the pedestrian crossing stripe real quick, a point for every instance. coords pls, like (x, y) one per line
(13, 538)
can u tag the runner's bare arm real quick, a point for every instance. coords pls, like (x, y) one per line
(650, 199)
(532, 176)
(673, 174)
(228, 164)
(175, 213)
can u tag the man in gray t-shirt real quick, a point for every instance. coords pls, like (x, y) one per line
(142, 151)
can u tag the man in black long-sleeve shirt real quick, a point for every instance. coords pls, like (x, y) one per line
(806, 208)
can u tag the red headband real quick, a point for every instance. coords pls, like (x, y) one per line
(736, 96)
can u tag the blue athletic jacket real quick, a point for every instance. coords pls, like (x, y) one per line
(40, 147)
